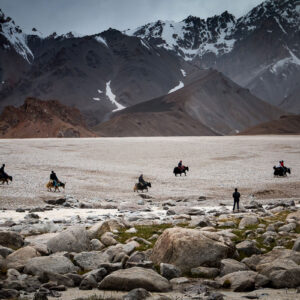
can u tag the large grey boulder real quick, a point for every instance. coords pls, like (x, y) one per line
(243, 281)
(128, 279)
(190, 248)
(248, 221)
(283, 273)
(53, 263)
(18, 259)
(91, 260)
(230, 266)
(74, 239)
(257, 262)
(11, 239)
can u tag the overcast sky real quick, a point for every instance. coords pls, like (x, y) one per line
(94, 16)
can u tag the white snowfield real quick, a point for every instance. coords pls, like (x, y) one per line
(108, 168)
(177, 87)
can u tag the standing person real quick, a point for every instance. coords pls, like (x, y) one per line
(236, 198)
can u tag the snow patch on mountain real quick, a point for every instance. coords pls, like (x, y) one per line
(144, 44)
(292, 59)
(280, 26)
(183, 72)
(112, 97)
(101, 40)
(177, 87)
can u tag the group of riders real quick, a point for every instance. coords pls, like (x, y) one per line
(279, 170)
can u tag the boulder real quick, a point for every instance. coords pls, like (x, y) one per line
(243, 281)
(283, 273)
(190, 248)
(97, 230)
(296, 246)
(169, 271)
(287, 228)
(53, 263)
(137, 294)
(128, 279)
(108, 240)
(91, 260)
(200, 221)
(18, 259)
(294, 215)
(248, 221)
(247, 248)
(205, 272)
(98, 274)
(88, 283)
(96, 245)
(230, 266)
(74, 239)
(5, 251)
(11, 239)
(9, 294)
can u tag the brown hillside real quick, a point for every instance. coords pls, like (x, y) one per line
(285, 125)
(42, 119)
(208, 104)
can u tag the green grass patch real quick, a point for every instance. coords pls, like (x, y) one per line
(145, 232)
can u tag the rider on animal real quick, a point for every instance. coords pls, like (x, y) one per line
(141, 180)
(54, 178)
(180, 166)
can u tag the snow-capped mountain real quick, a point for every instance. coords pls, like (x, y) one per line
(258, 50)
(192, 36)
(106, 72)
(13, 37)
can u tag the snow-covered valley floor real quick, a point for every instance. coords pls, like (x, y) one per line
(107, 168)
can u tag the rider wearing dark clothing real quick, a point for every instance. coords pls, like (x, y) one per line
(141, 180)
(180, 165)
(54, 178)
(2, 172)
(236, 197)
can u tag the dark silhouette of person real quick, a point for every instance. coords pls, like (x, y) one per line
(141, 180)
(54, 178)
(236, 198)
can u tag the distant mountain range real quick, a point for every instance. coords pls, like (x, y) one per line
(105, 73)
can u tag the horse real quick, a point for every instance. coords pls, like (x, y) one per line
(5, 178)
(51, 185)
(180, 171)
(141, 187)
(282, 172)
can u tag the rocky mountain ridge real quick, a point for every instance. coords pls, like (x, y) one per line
(36, 118)
(105, 72)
